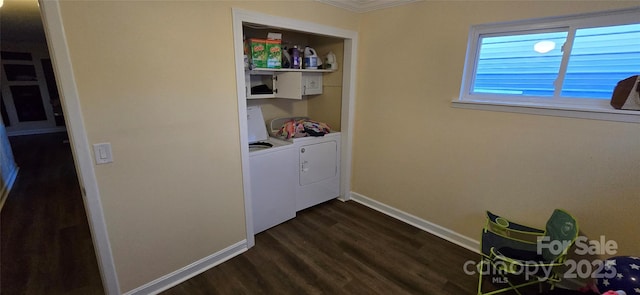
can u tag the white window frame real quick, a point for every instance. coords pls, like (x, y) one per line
(556, 106)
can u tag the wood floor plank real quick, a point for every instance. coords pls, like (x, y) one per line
(337, 259)
(348, 241)
(339, 248)
(343, 248)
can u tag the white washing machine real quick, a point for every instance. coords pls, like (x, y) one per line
(272, 168)
(258, 137)
(318, 166)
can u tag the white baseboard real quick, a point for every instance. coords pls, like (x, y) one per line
(4, 191)
(432, 228)
(165, 282)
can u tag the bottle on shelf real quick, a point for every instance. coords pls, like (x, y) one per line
(311, 60)
(296, 58)
(286, 59)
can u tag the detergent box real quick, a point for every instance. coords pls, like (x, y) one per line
(259, 53)
(274, 54)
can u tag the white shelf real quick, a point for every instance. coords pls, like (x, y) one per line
(261, 96)
(292, 70)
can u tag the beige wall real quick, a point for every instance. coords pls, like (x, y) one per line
(280, 107)
(327, 106)
(415, 152)
(157, 80)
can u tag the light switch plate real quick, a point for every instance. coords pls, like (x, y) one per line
(102, 153)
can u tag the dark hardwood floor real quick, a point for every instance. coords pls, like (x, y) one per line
(338, 248)
(343, 248)
(45, 244)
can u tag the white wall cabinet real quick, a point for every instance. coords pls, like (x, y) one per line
(311, 83)
(283, 83)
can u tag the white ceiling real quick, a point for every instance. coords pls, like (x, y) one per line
(366, 5)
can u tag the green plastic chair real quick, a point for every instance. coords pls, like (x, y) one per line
(512, 250)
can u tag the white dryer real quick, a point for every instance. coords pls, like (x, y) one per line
(318, 166)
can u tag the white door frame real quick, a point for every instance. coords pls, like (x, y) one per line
(59, 52)
(348, 95)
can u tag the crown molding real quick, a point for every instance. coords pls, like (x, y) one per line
(361, 6)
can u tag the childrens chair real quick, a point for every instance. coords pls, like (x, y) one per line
(512, 250)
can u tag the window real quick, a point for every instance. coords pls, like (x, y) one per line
(571, 62)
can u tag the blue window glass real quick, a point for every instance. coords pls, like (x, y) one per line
(526, 64)
(600, 57)
(529, 64)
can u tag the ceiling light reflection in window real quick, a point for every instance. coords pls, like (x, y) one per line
(544, 46)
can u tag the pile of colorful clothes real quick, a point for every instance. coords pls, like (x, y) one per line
(302, 128)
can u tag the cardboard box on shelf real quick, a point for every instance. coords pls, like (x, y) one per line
(258, 53)
(274, 54)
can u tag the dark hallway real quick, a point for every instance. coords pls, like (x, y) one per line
(46, 246)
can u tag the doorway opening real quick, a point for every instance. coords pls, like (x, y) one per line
(45, 241)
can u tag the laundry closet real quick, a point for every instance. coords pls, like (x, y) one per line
(289, 171)
(323, 107)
